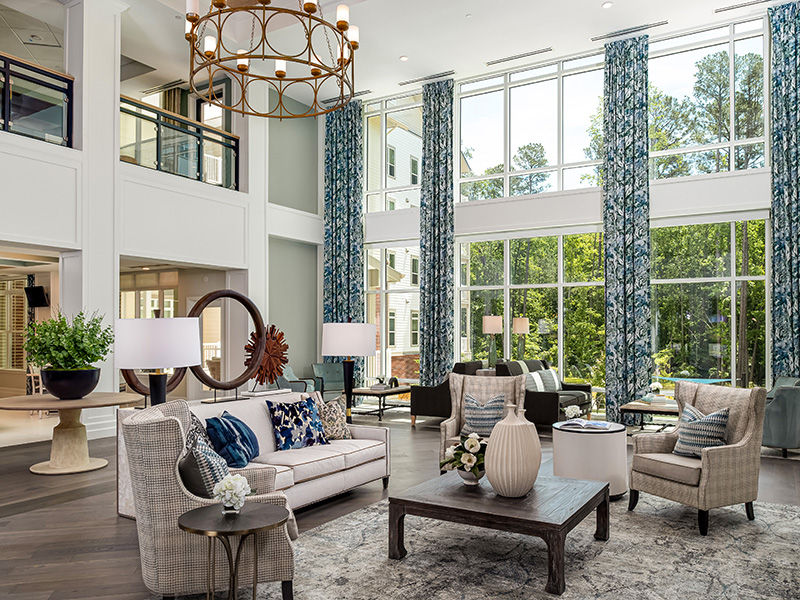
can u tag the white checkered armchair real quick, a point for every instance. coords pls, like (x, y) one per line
(723, 475)
(174, 562)
(481, 388)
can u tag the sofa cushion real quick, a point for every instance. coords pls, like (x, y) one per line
(233, 439)
(252, 411)
(358, 452)
(201, 468)
(681, 469)
(697, 431)
(296, 425)
(481, 417)
(283, 475)
(307, 463)
(570, 397)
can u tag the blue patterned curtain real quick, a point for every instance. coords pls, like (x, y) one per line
(436, 234)
(626, 222)
(785, 22)
(343, 286)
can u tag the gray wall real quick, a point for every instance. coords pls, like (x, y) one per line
(293, 160)
(293, 299)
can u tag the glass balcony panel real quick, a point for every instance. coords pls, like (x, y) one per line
(178, 152)
(38, 111)
(137, 141)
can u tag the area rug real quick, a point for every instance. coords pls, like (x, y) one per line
(654, 552)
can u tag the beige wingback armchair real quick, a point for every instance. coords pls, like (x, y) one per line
(174, 562)
(482, 389)
(724, 475)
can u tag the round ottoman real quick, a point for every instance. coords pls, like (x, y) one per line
(594, 454)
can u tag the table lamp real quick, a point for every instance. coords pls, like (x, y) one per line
(158, 344)
(492, 324)
(521, 326)
(348, 340)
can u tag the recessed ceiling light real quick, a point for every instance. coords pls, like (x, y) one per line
(403, 58)
(468, 15)
(607, 4)
(145, 268)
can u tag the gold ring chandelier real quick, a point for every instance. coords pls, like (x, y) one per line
(319, 58)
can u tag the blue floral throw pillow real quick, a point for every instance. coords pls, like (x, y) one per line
(296, 424)
(232, 439)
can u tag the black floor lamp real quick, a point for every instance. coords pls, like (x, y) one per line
(349, 340)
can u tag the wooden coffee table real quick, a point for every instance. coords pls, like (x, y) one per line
(658, 407)
(550, 511)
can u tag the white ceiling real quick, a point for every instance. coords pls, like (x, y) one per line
(436, 35)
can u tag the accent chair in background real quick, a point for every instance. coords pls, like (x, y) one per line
(723, 475)
(782, 415)
(297, 384)
(331, 376)
(434, 401)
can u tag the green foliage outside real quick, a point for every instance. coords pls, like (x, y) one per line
(63, 344)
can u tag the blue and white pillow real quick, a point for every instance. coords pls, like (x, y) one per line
(201, 468)
(697, 431)
(232, 439)
(296, 424)
(481, 418)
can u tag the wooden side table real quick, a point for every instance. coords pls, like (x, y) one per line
(69, 450)
(252, 519)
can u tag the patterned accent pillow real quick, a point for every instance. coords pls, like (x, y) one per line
(201, 468)
(533, 382)
(296, 424)
(196, 432)
(333, 417)
(233, 439)
(481, 418)
(697, 431)
(550, 380)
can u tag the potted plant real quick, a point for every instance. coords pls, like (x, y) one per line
(66, 350)
(467, 458)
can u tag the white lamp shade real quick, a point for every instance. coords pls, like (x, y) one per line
(157, 343)
(521, 325)
(492, 324)
(348, 339)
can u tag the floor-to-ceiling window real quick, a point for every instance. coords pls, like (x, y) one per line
(393, 151)
(392, 304)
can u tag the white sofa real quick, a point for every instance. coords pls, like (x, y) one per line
(306, 475)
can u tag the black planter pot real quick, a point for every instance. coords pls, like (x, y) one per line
(70, 385)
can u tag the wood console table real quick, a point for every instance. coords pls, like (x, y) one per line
(69, 450)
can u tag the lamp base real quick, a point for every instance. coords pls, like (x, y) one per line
(158, 388)
(348, 366)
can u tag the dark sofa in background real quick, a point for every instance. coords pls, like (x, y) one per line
(435, 401)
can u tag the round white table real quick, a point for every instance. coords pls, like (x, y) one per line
(593, 454)
(69, 450)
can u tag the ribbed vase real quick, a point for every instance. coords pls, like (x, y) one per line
(513, 455)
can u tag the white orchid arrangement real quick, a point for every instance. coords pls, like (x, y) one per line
(573, 411)
(468, 455)
(656, 387)
(231, 491)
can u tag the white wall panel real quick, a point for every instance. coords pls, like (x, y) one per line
(40, 199)
(167, 217)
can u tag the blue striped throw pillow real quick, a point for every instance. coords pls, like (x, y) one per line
(697, 431)
(481, 418)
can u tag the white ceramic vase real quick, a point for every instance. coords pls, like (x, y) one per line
(513, 455)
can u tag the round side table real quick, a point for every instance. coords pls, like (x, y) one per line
(593, 454)
(252, 519)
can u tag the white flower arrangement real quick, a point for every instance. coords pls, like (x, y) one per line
(467, 455)
(656, 387)
(231, 491)
(573, 411)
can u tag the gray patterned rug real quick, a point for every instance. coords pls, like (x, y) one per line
(654, 552)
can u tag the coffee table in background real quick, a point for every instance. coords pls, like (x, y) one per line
(382, 395)
(550, 511)
(637, 407)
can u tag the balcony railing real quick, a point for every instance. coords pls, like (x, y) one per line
(165, 141)
(36, 101)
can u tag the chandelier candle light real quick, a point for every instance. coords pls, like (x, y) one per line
(303, 67)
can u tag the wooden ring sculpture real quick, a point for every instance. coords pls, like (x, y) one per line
(271, 364)
(260, 341)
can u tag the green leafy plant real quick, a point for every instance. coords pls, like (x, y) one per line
(68, 344)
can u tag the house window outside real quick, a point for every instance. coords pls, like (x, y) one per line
(393, 137)
(392, 304)
(391, 162)
(13, 320)
(415, 271)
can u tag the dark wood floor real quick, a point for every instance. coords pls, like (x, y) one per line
(60, 537)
